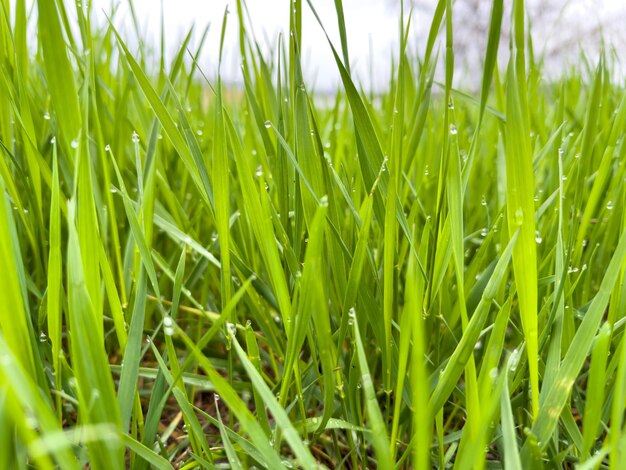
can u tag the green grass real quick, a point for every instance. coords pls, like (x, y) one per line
(200, 275)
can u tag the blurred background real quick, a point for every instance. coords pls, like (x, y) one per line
(562, 31)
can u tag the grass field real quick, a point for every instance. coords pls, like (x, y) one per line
(198, 275)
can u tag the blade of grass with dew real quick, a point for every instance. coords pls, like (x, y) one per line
(58, 71)
(465, 348)
(596, 384)
(96, 394)
(55, 289)
(520, 190)
(380, 440)
(195, 166)
(557, 395)
(308, 308)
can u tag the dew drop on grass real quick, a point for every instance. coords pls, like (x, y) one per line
(483, 232)
(426, 171)
(46, 116)
(483, 201)
(74, 144)
(167, 321)
(135, 138)
(538, 237)
(107, 148)
(169, 331)
(519, 216)
(453, 130)
(514, 360)
(268, 124)
(53, 140)
(351, 316)
(113, 189)
(609, 205)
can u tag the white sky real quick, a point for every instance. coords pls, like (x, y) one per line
(371, 25)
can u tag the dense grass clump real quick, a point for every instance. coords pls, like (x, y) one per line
(196, 275)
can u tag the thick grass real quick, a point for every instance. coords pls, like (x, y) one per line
(199, 275)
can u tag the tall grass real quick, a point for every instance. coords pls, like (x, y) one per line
(199, 275)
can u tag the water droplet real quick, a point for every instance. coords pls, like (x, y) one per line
(426, 171)
(167, 321)
(168, 330)
(609, 205)
(74, 144)
(53, 140)
(42, 337)
(135, 138)
(453, 130)
(538, 237)
(113, 189)
(259, 171)
(519, 216)
(483, 232)
(514, 360)
(483, 201)
(107, 148)
(351, 316)
(199, 132)
(46, 116)
(268, 124)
